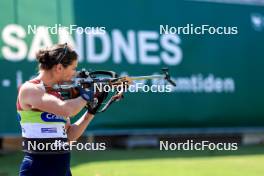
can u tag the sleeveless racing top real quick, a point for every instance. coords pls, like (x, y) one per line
(42, 131)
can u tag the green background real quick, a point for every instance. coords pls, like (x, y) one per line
(237, 56)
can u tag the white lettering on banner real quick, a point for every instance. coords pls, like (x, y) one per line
(128, 49)
(167, 42)
(94, 57)
(133, 47)
(145, 47)
(13, 36)
(199, 83)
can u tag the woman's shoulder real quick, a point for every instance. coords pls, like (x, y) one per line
(28, 92)
(32, 85)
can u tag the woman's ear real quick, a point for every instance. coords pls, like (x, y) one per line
(58, 68)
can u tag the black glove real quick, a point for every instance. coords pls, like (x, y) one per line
(96, 104)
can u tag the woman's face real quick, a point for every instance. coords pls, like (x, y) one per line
(69, 72)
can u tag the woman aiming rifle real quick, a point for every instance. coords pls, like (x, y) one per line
(44, 115)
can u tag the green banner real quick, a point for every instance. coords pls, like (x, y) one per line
(214, 52)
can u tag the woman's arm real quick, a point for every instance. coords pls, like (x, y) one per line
(35, 97)
(75, 130)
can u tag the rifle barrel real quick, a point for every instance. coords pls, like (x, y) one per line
(147, 77)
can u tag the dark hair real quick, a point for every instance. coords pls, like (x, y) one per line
(57, 54)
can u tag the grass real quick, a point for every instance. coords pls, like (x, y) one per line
(144, 162)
